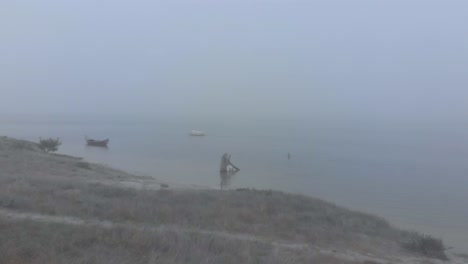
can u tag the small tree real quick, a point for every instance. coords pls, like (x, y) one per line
(49, 145)
(426, 245)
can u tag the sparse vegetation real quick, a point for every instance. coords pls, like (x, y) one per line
(31, 181)
(24, 243)
(49, 145)
(83, 165)
(15, 144)
(31, 242)
(269, 214)
(425, 244)
(20, 144)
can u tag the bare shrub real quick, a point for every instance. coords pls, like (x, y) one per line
(49, 145)
(426, 245)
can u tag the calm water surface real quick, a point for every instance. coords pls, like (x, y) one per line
(415, 175)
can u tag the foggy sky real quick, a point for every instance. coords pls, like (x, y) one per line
(243, 57)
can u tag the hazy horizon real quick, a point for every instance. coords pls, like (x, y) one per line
(329, 59)
(361, 103)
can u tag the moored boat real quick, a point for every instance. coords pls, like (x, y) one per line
(197, 133)
(97, 143)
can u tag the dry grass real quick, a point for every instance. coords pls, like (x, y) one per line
(37, 182)
(32, 181)
(30, 242)
(83, 165)
(268, 214)
(21, 159)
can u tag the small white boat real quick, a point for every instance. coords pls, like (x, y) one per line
(197, 133)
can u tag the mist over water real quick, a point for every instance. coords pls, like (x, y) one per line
(412, 173)
(369, 97)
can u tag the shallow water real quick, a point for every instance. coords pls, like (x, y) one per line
(413, 174)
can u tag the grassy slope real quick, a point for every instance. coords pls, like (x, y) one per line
(32, 181)
(31, 242)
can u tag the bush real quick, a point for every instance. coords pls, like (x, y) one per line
(426, 245)
(49, 145)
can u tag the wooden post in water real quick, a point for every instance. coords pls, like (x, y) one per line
(226, 164)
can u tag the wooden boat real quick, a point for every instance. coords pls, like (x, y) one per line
(197, 133)
(97, 143)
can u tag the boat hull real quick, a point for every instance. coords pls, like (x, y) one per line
(197, 133)
(97, 143)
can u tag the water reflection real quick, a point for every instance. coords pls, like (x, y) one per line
(89, 148)
(225, 178)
